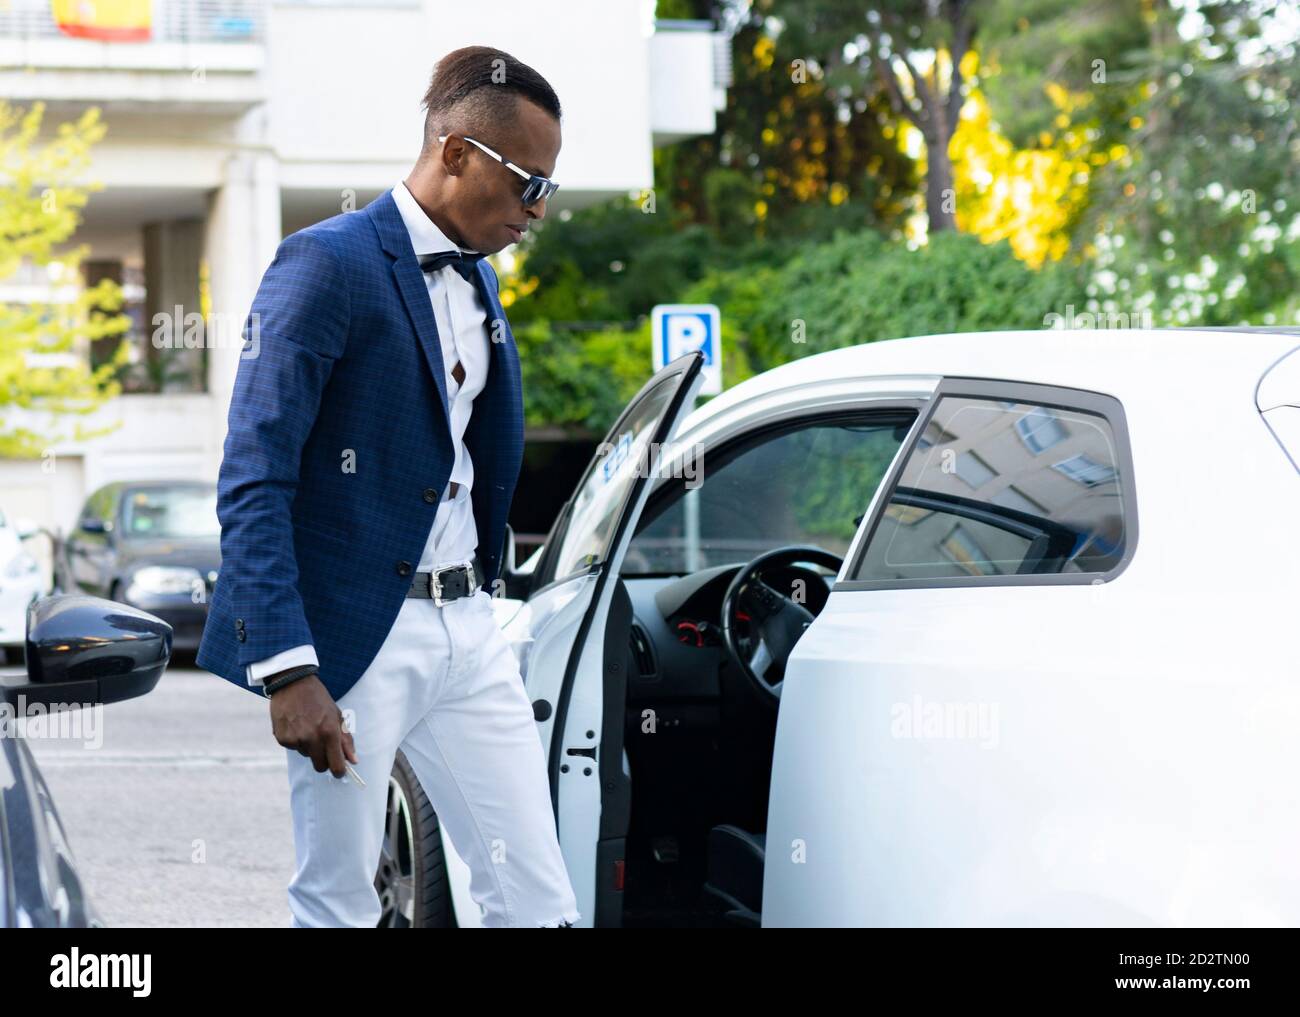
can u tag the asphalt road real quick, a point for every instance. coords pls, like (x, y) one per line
(180, 816)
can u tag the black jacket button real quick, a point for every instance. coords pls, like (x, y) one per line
(403, 568)
(242, 635)
(430, 495)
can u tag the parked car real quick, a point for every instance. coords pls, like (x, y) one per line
(80, 651)
(155, 545)
(877, 641)
(21, 583)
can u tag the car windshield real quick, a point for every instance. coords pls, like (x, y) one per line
(176, 512)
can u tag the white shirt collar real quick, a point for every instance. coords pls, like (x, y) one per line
(426, 238)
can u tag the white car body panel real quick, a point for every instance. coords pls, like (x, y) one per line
(1137, 761)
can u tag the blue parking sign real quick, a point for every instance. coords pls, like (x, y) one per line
(678, 329)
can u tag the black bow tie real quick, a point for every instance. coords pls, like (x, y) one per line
(463, 262)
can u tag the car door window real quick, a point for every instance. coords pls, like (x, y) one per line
(98, 507)
(584, 533)
(805, 483)
(994, 488)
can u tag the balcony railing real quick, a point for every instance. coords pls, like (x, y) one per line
(206, 21)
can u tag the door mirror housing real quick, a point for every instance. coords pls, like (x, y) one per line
(84, 651)
(517, 584)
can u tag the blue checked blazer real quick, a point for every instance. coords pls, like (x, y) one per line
(339, 448)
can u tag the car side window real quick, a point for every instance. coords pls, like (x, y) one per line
(99, 505)
(995, 488)
(808, 483)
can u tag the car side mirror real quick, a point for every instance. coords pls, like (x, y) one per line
(84, 651)
(517, 584)
(92, 526)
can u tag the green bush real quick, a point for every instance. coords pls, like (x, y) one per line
(580, 380)
(860, 288)
(855, 288)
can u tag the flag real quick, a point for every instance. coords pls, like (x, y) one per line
(106, 20)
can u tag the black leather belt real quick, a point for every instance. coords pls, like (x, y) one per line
(449, 583)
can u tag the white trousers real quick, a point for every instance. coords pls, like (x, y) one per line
(445, 688)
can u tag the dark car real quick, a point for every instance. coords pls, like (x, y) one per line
(155, 545)
(80, 651)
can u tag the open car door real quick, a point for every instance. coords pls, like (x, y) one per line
(560, 633)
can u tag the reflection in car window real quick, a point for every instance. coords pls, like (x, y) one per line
(806, 485)
(101, 503)
(598, 503)
(174, 512)
(997, 488)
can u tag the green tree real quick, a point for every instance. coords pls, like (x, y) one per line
(911, 51)
(1196, 103)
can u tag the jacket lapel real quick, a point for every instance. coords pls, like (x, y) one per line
(504, 355)
(503, 381)
(415, 294)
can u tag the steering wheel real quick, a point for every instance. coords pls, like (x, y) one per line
(777, 619)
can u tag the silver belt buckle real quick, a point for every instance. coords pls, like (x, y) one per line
(436, 583)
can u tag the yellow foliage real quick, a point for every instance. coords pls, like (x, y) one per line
(1026, 196)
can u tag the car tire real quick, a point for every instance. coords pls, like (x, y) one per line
(411, 879)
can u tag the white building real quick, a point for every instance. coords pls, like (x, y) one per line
(237, 122)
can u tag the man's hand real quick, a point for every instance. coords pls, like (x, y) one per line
(306, 718)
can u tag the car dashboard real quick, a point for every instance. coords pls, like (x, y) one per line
(676, 639)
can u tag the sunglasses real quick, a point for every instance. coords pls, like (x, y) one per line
(537, 188)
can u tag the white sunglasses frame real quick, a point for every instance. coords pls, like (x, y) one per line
(548, 186)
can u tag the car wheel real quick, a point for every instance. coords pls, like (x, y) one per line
(412, 883)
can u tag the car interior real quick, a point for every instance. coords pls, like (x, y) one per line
(718, 583)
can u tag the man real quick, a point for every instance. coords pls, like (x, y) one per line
(375, 437)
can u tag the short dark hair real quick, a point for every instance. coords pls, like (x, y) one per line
(473, 91)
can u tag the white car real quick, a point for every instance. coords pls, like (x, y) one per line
(976, 629)
(21, 584)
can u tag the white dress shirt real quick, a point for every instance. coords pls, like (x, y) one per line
(462, 329)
